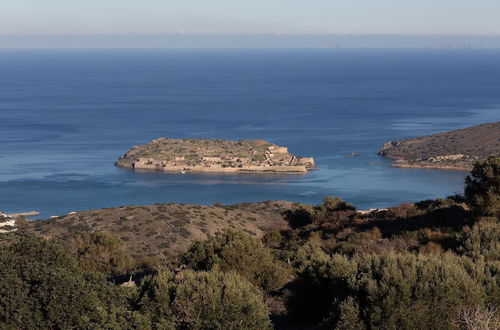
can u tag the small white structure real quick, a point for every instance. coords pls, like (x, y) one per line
(7, 224)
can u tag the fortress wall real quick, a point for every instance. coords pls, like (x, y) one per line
(144, 160)
(212, 159)
(247, 168)
(298, 168)
(306, 160)
(278, 150)
(143, 165)
(177, 168)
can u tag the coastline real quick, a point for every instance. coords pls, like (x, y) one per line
(401, 163)
(456, 150)
(212, 170)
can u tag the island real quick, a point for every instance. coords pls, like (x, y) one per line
(454, 150)
(215, 156)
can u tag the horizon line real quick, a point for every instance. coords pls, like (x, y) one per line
(181, 33)
(248, 41)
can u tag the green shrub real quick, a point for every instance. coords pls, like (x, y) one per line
(310, 252)
(42, 287)
(403, 291)
(101, 251)
(482, 189)
(332, 204)
(317, 286)
(300, 217)
(333, 209)
(241, 253)
(482, 241)
(272, 239)
(203, 300)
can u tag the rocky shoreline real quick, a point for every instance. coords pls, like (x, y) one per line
(401, 163)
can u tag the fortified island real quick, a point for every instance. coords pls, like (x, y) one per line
(454, 150)
(215, 156)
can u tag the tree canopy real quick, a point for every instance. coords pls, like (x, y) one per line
(42, 287)
(482, 187)
(203, 300)
(241, 253)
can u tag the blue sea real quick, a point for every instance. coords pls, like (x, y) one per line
(67, 115)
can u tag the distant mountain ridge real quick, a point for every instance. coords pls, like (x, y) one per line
(455, 150)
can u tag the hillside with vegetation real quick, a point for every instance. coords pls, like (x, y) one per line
(163, 230)
(456, 150)
(434, 264)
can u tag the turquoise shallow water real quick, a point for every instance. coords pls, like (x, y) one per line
(66, 116)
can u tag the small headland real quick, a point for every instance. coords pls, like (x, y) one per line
(454, 150)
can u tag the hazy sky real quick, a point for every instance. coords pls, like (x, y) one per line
(250, 16)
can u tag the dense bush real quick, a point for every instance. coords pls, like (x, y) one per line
(403, 291)
(332, 204)
(100, 251)
(203, 300)
(310, 252)
(482, 189)
(272, 239)
(483, 241)
(241, 253)
(317, 286)
(332, 210)
(42, 287)
(300, 217)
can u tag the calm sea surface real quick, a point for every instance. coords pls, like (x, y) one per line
(66, 116)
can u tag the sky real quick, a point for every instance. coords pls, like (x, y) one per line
(40, 17)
